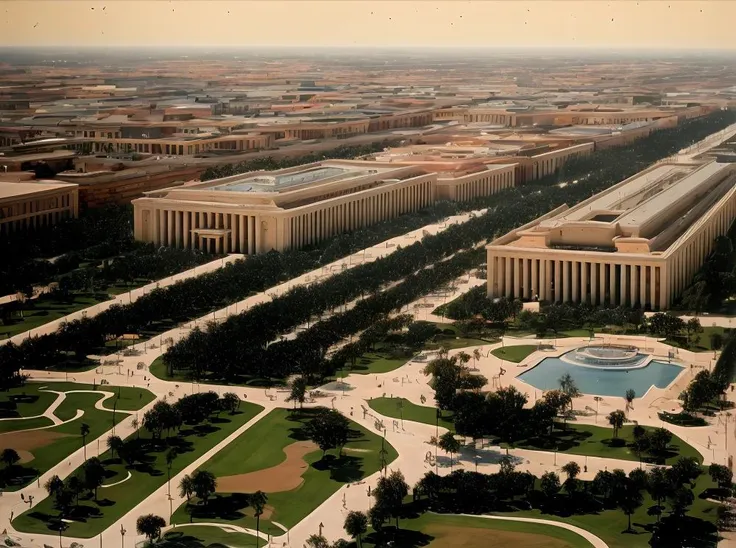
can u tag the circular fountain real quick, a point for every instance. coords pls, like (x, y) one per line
(607, 356)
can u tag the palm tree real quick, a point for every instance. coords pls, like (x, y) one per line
(84, 431)
(630, 395)
(258, 501)
(616, 419)
(170, 456)
(114, 443)
(476, 357)
(186, 487)
(136, 426)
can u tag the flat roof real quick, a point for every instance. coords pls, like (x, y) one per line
(27, 188)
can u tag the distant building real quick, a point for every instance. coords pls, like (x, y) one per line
(296, 207)
(639, 243)
(31, 204)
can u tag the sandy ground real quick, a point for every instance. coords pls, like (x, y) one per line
(24, 442)
(282, 477)
(471, 537)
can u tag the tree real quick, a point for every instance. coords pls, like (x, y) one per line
(549, 484)
(76, 486)
(658, 485)
(298, 390)
(630, 396)
(317, 541)
(616, 419)
(84, 432)
(721, 474)
(53, 485)
(716, 342)
(572, 469)
(114, 443)
(630, 499)
(150, 525)
(328, 429)
(9, 457)
(171, 455)
(186, 487)
(693, 327)
(204, 484)
(94, 474)
(389, 494)
(449, 444)
(568, 386)
(230, 402)
(685, 470)
(659, 440)
(356, 525)
(258, 501)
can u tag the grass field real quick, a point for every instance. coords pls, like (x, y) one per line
(438, 531)
(323, 476)
(202, 536)
(99, 421)
(596, 441)
(117, 500)
(389, 407)
(23, 424)
(25, 401)
(610, 524)
(158, 369)
(514, 354)
(44, 310)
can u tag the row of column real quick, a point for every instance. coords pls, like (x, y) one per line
(238, 233)
(690, 255)
(589, 282)
(484, 187)
(320, 224)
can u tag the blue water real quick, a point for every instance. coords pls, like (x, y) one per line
(601, 382)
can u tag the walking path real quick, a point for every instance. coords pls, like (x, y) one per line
(124, 298)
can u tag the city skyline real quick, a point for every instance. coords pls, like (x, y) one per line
(624, 25)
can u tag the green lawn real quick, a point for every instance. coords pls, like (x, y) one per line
(158, 369)
(44, 310)
(374, 363)
(116, 501)
(439, 530)
(99, 422)
(704, 343)
(202, 536)
(596, 441)
(24, 424)
(514, 354)
(25, 401)
(610, 524)
(280, 428)
(389, 407)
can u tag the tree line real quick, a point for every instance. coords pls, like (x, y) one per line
(513, 207)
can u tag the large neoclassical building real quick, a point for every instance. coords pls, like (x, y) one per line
(638, 243)
(295, 207)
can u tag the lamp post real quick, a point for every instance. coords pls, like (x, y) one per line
(171, 508)
(122, 536)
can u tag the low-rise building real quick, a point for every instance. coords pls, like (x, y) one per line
(29, 204)
(638, 243)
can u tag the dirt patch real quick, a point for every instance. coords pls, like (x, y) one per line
(26, 442)
(282, 477)
(268, 511)
(472, 537)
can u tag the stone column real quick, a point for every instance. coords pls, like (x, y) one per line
(491, 277)
(517, 278)
(525, 278)
(643, 286)
(162, 226)
(547, 279)
(594, 283)
(633, 285)
(622, 296)
(558, 281)
(535, 278)
(575, 281)
(566, 281)
(653, 286)
(583, 282)
(612, 287)
(177, 228)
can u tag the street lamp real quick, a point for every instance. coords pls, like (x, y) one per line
(122, 536)
(171, 508)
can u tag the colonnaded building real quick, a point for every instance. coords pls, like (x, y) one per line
(638, 243)
(29, 204)
(295, 207)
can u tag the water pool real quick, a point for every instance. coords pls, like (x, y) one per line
(601, 382)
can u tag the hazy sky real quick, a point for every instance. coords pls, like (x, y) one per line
(646, 23)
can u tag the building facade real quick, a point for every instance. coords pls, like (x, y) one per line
(31, 204)
(638, 243)
(296, 207)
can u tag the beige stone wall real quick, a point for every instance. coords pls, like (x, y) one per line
(44, 208)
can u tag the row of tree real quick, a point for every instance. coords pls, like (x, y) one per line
(515, 206)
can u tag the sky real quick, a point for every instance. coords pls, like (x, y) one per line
(679, 24)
